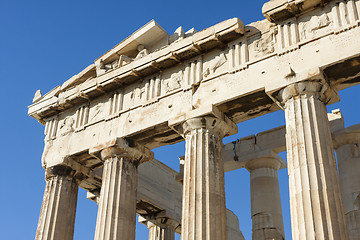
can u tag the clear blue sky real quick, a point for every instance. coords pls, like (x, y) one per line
(44, 43)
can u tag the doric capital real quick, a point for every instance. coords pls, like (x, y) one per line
(208, 117)
(265, 159)
(209, 123)
(319, 88)
(160, 219)
(125, 148)
(59, 170)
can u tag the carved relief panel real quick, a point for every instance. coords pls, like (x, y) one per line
(174, 82)
(262, 43)
(215, 63)
(313, 26)
(67, 125)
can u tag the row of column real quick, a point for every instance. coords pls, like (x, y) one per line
(315, 199)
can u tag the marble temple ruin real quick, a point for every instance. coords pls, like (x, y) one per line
(154, 89)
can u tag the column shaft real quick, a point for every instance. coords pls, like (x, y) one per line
(57, 216)
(315, 200)
(161, 233)
(204, 211)
(266, 212)
(349, 171)
(117, 205)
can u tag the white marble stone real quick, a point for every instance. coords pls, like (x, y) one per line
(204, 210)
(117, 204)
(347, 145)
(144, 94)
(57, 216)
(160, 227)
(315, 200)
(266, 212)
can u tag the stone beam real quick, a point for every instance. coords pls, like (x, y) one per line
(279, 10)
(270, 140)
(196, 67)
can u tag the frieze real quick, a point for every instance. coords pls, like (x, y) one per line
(174, 82)
(51, 128)
(238, 53)
(67, 125)
(265, 44)
(96, 112)
(213, 65)
(312, 27)
(82, 116)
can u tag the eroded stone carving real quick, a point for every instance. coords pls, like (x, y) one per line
(37, 96)
(137, 95)
(102, 68)
(98, 108)
(178, 34)
(316, 23)
(67, 126)
(123, 60)
(190, 32)
(174, 82)
(265, 45)
(142, 52)
(214, 66)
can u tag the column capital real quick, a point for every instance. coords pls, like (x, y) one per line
(264, 159)
(209, 123)
(160, 219)
(209, 118)
(122, 147)
(59, 170)
(319, 88)
(162, 222)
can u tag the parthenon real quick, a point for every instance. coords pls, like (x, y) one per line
(155, 89)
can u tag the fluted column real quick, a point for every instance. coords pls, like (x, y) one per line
(117, 204)
(347, 146)
(204, 211)
(315, 201)
(160, 228)
(266, 212)
(57, 216)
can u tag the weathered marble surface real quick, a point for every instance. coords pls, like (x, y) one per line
(315, 199)
(215, 62)
(266, 212)
(145, 89)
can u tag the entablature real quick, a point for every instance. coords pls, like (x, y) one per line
(238, 76)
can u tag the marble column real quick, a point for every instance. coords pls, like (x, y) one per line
(117, 204)
(266, 212)
(203, 208)
(160, 228)
(347, 146)
(315, 200)
(57, 216)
